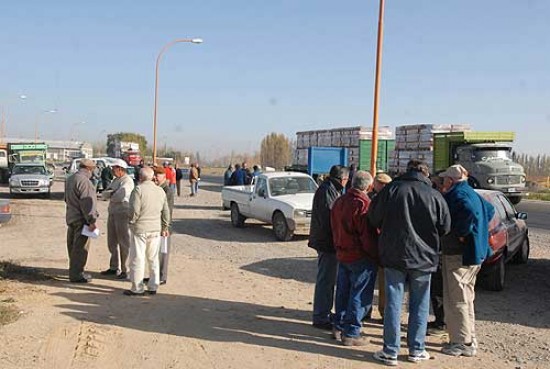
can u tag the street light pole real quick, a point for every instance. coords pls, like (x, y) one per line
(374, 152)
(162, 51)
(52, 111)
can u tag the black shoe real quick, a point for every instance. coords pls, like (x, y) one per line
(132, 293)
(109, 272)
(152, 293)
(145, 280)
(162, 282)
(122, 275)
(81, 280)
(323, 326)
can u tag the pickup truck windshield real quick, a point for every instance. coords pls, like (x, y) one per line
(492, 154)
(29, 170)
(291, 185)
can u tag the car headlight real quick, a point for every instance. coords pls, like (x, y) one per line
(522, 179)
(14, 182)
(491, 180)
(300, 213)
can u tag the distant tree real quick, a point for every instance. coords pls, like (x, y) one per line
(127, 137)
(276, 151)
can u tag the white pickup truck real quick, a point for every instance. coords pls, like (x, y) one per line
(283, 199)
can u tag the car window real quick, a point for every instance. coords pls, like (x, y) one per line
(291, 185)
(261, 185)
(500, 212)
(510, 211)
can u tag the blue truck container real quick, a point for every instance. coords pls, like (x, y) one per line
(321, 159)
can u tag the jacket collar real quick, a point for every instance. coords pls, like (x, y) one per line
(414, 176)
(358, 193)
(336, 183)
(457, 186)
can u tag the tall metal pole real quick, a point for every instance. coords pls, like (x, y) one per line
(162, 51)
(374, 152)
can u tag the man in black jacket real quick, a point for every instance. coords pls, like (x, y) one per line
(320, 239)
(412, 217)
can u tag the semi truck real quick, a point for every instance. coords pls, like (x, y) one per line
(125, 150)
(486, 155)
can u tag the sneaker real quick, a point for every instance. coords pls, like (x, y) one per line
(424, 355)
(385, 358)
(459, 349)
(355, 341)
(337, 334)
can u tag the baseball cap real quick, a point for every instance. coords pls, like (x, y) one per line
(456, 172)
(88, 163)
(119, 163)
(159, 170)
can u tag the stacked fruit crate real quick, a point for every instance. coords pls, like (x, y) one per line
(417, 142)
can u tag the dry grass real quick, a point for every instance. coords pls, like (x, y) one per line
(8, 313)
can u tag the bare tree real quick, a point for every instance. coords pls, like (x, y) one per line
(276, 151)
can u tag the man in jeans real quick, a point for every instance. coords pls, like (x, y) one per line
(412, 217)
(149, 219)
(320, 239)
(464, 250)
(355, 245)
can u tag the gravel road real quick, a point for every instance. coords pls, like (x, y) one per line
(236, 298)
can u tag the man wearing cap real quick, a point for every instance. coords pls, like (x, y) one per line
(149, 220)
(320, 239)
(81, 201)
(380, 181)
(118, 233)
(464, 250)
(160, 180)
(412, 217)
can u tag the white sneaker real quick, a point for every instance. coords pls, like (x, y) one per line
(385, 358)
(424, 355)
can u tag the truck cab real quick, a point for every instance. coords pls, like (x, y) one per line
(490, 166)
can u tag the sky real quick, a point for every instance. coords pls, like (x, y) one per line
(272, 66)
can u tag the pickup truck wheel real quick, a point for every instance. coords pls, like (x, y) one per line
(280, 227)
(515, 199)
(497, 275)
(236, 218)
(522, 255)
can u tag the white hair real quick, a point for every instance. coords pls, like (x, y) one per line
(146, 174)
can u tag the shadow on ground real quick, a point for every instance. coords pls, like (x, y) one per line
(299, 269)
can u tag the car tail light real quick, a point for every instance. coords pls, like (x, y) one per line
(5, 209)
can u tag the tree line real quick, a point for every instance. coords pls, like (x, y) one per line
(534, 165)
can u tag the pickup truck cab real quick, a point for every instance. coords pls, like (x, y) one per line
(30, 179)
(283, 199)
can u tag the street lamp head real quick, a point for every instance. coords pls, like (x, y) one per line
(197, 40)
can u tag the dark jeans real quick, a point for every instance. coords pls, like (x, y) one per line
(353, 295)
(436, 297)
(77, 248)
(323, 299)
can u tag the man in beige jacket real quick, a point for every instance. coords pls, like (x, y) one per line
(118, 233)
(149, 219)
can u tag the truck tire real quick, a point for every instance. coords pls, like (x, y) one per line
(522, 255)
(497, 275)
(280, 227)
(515, 199)
(237, 219)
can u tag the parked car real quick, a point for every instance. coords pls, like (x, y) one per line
(30, 179)
(508, 237)
(283, 199)
(5, 211)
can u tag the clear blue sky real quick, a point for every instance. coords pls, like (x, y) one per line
(281, 65)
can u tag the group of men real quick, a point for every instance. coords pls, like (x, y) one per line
(396, 231)
(240, 175)
(138, 226)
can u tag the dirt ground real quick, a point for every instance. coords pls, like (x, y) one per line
(235, 298)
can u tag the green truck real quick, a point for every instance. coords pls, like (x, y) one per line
(383, 157)
(488, 158)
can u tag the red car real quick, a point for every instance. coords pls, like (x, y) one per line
(508, 237)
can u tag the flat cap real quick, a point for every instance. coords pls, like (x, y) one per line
(88, 163)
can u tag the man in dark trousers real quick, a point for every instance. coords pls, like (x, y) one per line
(412, 217)
(81, 200)
(320, 239)
(162, 182)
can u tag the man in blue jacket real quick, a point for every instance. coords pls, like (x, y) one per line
(464, 250)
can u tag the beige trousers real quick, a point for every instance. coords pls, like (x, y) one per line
(458, 298)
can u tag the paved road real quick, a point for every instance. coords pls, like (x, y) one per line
(538, 213)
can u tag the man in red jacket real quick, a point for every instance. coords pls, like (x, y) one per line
(355, 244)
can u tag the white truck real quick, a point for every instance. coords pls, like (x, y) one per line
(283, 199)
